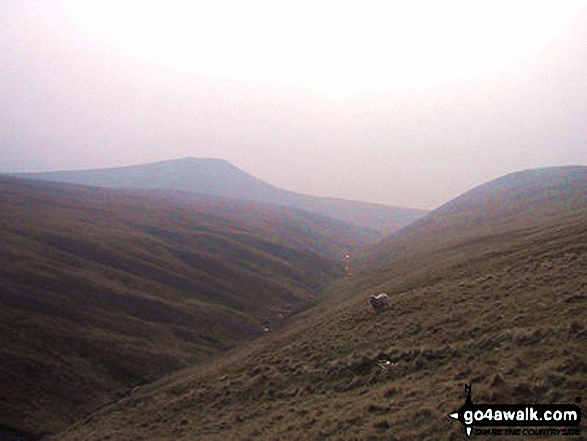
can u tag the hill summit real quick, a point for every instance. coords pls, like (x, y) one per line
(211, 176)
(521, 199)
(218, 177)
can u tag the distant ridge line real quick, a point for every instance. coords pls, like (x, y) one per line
(218, 177)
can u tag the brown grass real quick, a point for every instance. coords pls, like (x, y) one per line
(102, 290)
(503, 307)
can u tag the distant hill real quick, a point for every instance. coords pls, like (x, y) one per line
(219, 178)
(488, 289)
(104, 289)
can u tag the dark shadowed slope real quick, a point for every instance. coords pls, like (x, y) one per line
(320, 234)
(104, 289)
(219, 178)
(504, 311)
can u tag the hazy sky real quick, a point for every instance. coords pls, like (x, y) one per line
(406, 103)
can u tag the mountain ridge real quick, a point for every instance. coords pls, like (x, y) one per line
(218, 177)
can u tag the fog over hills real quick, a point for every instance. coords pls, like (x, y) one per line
(219, 178)
(104, 289)
(488, 289)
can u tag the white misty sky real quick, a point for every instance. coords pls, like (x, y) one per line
(405, 103)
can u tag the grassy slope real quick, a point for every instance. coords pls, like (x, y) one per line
(501, 303)
(101, 290)
(517, 200)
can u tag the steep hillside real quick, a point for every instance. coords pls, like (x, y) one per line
(516, 201)
(320, 234)
(101, 290)
(219, 178)
(500, 301)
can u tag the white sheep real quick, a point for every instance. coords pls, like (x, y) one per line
(379, 301)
